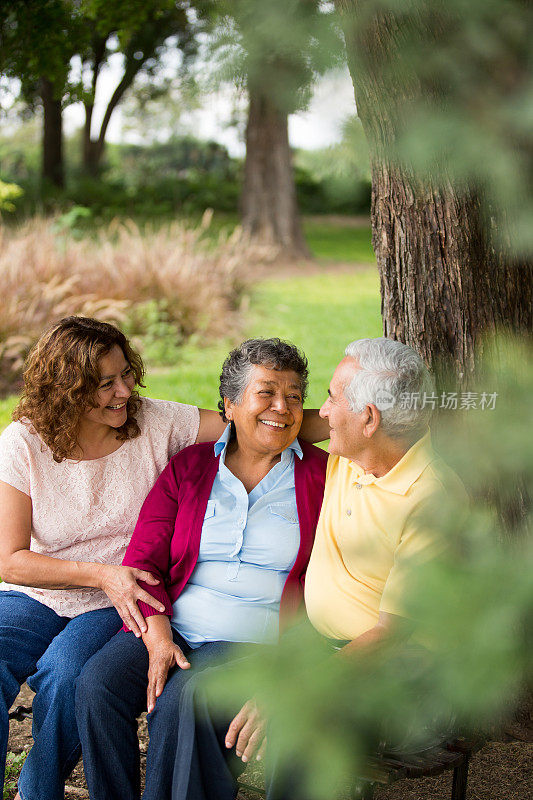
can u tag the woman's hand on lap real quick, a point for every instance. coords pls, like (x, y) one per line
(120, 585)
(163, 657)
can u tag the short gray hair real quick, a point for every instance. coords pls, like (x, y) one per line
(273, 353)
(394, 378)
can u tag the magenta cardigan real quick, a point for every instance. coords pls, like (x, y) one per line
(166, 539)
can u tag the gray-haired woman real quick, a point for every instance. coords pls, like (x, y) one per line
(228, 530)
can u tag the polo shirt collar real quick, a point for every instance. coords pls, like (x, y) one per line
(222, 443)
(402, 476)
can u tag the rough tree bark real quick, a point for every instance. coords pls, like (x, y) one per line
(268, 202)
(442, 282)
(52, 150)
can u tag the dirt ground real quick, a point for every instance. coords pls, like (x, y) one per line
(502, 770)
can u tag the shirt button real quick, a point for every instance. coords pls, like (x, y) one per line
(349, 512)
(358, 485)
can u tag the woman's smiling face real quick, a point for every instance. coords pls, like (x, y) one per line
(114, 390)
(269, 415)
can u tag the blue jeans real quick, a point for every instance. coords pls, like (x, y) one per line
(204, 769)
(48, 651)
(110, 695)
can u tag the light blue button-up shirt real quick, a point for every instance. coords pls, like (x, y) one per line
(248, 546)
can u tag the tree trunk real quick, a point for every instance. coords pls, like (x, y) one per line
(52, 142)
(90, 155)
(443, 284)
(268, 201)
(90, 162)
(93, 149)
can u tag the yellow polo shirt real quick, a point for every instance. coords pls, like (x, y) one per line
(370, 532)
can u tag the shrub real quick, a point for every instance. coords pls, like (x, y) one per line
(8, 193)
(164, 285)
(13, 766)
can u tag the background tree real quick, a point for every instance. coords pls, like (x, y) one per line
(141, 32)
(277, 51)
(37, 41)
(444, 95)
(41, 37)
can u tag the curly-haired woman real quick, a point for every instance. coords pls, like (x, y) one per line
(75, 467)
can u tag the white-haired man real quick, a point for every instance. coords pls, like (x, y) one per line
(382, 476)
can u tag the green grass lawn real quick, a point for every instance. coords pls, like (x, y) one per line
(339, 242)
(6, 407)
(331, 241)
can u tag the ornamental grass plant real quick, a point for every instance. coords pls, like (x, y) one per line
(160, 286)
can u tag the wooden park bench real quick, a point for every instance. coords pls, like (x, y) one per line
(20, 712)
(386, 769)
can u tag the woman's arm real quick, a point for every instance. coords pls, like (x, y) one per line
(314, 428)
(389, 629)
(211, 426)
(163, 655)
(22, 567)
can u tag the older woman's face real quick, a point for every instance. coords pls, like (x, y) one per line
(269, 416)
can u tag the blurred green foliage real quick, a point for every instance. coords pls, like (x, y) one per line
(161, 337)
(9, 192)
(277, 49)
(342, 171)
(452, 94)
(39, 39)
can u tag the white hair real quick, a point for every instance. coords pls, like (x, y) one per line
(393, 377)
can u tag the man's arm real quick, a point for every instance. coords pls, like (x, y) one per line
(247, 729)
(390, 628)
(247, 732)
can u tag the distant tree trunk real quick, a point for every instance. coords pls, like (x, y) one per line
(52, 142)
(442, 282)
(93, 149)
(90, 159)
(87, 144)
(268, 201)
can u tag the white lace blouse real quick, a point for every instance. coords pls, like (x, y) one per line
(87, 510)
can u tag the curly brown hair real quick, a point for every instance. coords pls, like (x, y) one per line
(61, 378)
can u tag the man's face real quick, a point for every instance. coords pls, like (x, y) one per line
(346, 426)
